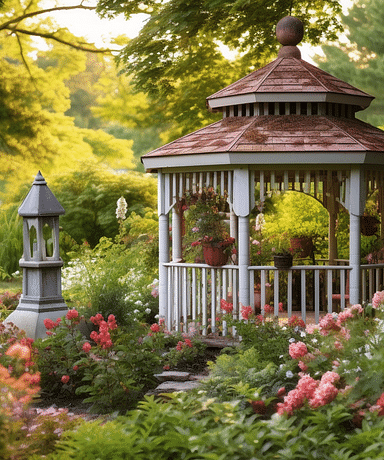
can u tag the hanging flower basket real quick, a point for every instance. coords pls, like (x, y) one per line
(302, 246)
(216, 254)
(283, 261)
(368, 225)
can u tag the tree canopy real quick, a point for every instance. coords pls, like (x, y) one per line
(360, 61)
(35, 132)
(177, 60)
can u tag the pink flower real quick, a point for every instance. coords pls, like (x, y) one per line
(87, 347)
(344, 315)
(303, 366)
(307, 386)
(324, 394)
(65, 378)
(72, 314)
(377, 299)
(268, 309)
(357, 308)
(330, 377)
(281, 307)
(246, 312)
(297, 350)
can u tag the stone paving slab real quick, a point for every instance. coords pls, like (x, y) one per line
(170, 387)
(173, 375)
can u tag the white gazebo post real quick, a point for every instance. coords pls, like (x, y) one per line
(242, 208)
(163, 213)
(356, 210)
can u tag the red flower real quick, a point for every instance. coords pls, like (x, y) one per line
(155, 327)
(259, 407)
(87, 347)
(188, 342)
(112, 322)
(75, 368)
(246, 312)
(96, 320)
(65, 378)
(49, 324)
(72, 314)
(295, 321)
(226, 306)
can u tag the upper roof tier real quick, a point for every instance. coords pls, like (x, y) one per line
(288, 79)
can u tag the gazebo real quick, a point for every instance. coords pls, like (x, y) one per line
(287, 126)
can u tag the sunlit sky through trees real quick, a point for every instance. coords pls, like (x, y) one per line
(100, 31)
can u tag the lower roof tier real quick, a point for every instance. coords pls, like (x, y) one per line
(278, 134)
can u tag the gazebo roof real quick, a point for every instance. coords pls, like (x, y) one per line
(288, 79)
(279, 133)
(287, 107)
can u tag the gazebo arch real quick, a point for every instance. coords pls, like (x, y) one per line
(286, 126)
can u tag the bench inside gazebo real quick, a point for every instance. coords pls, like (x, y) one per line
(288, 126)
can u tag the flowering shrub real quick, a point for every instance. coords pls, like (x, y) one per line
(108, 280)
(19, 383)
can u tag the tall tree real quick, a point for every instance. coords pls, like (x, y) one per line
(360, 61)
(177, 60)
(34, 132)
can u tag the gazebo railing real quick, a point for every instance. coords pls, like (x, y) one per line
(372, 280)
(314, 289)
(194, 295)
(195, 292)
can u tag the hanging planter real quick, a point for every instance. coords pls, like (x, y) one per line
(283, 261)
(216, 254)
(302, 246)
(368, 225)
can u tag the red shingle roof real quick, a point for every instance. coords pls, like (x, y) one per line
(288, 75)
(278, 133)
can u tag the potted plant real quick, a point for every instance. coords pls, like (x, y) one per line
(302, 245)
(283, 257)
(205, 214)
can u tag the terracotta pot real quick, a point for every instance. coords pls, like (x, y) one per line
(368, 225)
(302, 246)
(257, 298)
(215, 254)
(283, 261)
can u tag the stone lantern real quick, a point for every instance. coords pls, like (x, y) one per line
(41, 263)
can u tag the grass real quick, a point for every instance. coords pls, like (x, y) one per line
(15, 285)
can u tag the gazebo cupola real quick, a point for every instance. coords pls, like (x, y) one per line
(286, 126)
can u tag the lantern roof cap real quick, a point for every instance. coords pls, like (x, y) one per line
(40, 201)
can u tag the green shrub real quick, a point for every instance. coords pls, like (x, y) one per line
(106, 280)
(192, 426)
(11, 237)
(89, 198)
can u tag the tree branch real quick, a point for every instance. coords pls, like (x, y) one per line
(52, 36)
(48, 10)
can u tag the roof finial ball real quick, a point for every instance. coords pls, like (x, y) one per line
(289, 32)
